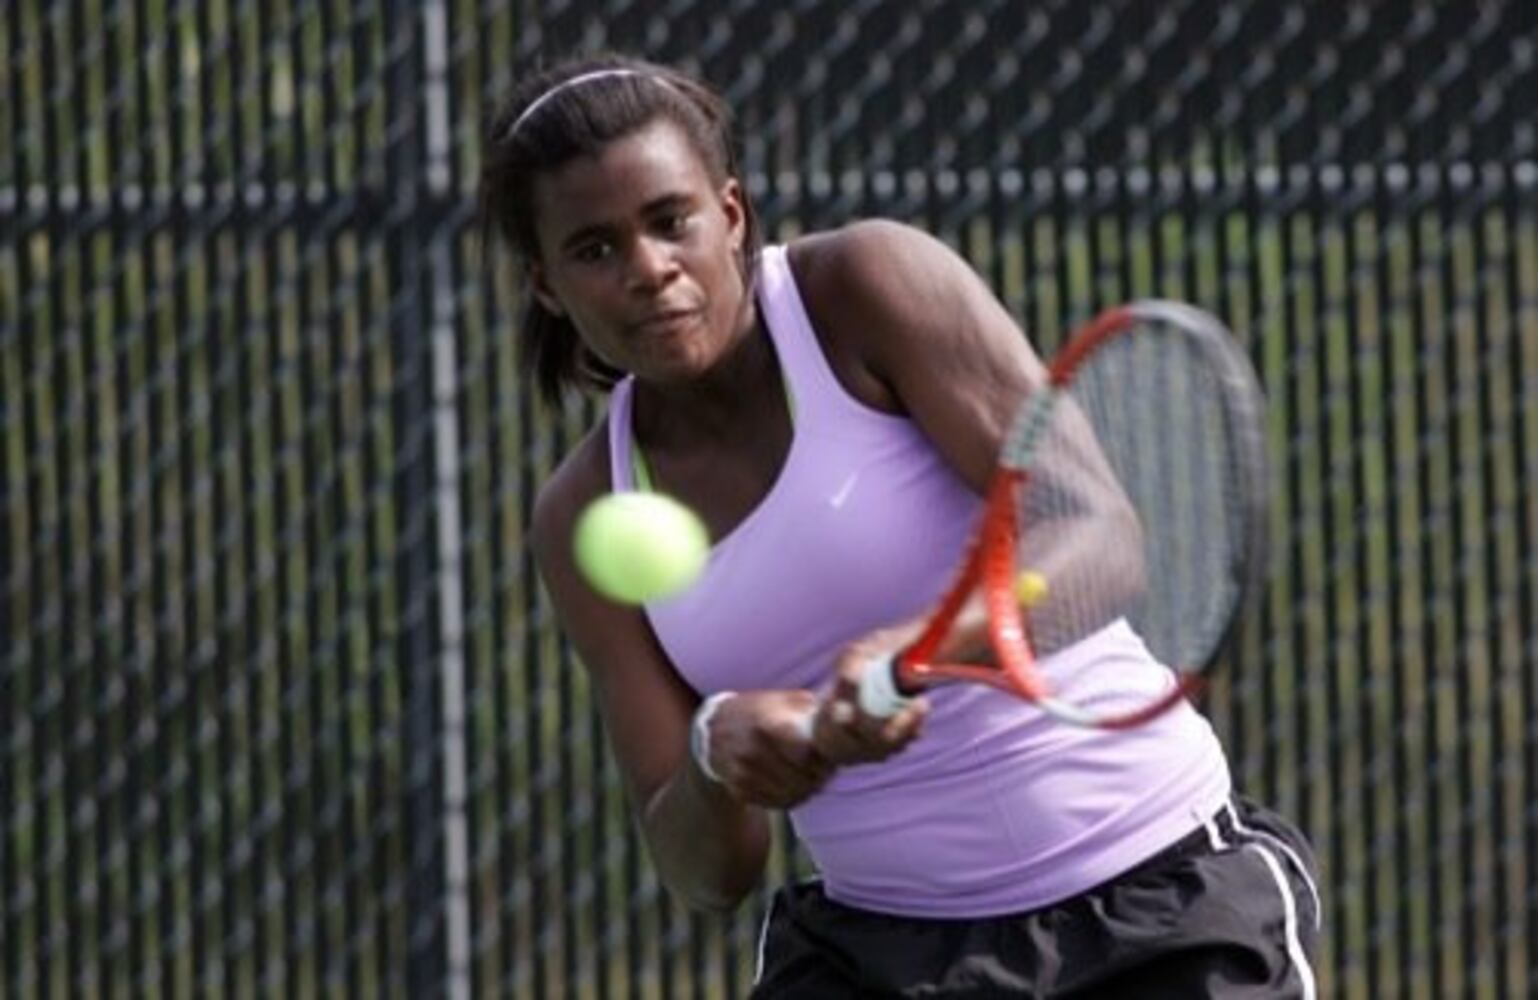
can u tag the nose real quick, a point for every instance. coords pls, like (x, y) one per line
(652, 263)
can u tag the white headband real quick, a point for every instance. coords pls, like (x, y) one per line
(567, 84)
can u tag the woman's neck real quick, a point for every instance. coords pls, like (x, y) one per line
(735, 392)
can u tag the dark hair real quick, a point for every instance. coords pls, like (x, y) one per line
(545, 125)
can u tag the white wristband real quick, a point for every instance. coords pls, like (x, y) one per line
(699, 733)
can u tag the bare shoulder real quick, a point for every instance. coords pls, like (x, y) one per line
(898, 298)
(903, 307)
(874, 291)
(871, 266)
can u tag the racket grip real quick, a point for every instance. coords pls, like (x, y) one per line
(879, 695)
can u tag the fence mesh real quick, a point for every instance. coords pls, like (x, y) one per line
(284, 710)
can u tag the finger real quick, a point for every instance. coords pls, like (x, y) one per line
(779, 783)
(840, 734)
(803, 714)
(903, 727)
(768, 758)
(852, 667)
(842, 744)
(840, 711)
(864, 739)
(846, 681)
(774, 787)
(781, 751)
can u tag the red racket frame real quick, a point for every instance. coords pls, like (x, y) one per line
(990, 564)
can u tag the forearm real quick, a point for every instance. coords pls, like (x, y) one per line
(708, 846)
(1080, 533)
(1094, 572)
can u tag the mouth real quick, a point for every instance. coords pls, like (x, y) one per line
(666, 321)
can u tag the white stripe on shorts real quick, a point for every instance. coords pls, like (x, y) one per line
(1267, 845)
(763, 938)
(1290, 919)
(1292, 855)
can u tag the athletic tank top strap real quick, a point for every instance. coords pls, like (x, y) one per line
(815, 389)
(622, 455)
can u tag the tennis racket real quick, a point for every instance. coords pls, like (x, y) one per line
(1133, 486)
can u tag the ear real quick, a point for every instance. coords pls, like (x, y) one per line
(736, 215)
(539, 283)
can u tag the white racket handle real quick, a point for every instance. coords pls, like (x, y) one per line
(879, 696)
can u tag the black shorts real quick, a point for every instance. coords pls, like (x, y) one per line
(1231, 910)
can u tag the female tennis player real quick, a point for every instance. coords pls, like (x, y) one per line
(832, 408)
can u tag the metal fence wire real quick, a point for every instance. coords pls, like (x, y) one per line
(282, 708)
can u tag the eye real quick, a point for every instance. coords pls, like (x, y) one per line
(592, 251)
(675, 223)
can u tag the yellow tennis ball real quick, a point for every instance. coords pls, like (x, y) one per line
(636, 547)
(1030, 588)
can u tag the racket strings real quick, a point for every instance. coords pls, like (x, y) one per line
(1129, 510)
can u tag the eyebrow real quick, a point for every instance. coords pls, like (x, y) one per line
(671, 200)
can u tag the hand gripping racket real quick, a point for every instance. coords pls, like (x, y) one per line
(1132, 486)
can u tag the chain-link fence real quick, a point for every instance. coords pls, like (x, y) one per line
(283, 709)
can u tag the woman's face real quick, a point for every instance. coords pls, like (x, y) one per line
(639, 248)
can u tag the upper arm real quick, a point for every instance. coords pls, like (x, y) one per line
(929, 328)
(645, 704)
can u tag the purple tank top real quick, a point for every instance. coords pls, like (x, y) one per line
(996, 808)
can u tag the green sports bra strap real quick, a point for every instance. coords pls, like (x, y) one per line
(640, 472)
